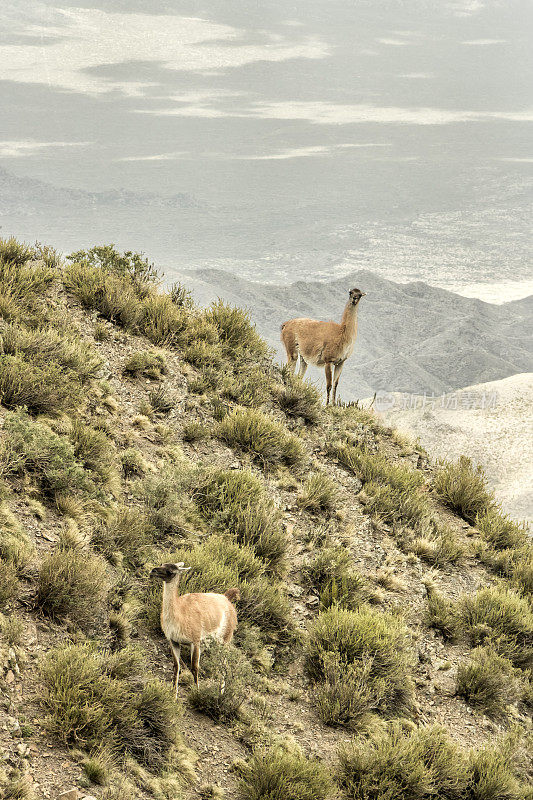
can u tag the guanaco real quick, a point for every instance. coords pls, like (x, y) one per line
(323, 344)
(194, 617)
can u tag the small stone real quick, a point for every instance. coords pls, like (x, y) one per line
(70, 794)
(10, 676)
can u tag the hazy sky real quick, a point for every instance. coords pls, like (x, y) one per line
(209, 96)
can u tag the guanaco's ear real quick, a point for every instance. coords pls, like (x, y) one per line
(180, 566)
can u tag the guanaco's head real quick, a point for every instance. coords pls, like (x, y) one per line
(356, 295)
(166, 572)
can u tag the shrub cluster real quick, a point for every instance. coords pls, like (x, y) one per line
(260, 435)
(489, 681)
(283, 773)
(148, 363)
(299, 399)
(461, 487)
(230, 679)
(360, 657)
(16, 551)
(235, 501)
(319, 494)
(94, 698)
(331, 574)
(73, 584)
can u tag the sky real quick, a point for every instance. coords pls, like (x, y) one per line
(343, 107)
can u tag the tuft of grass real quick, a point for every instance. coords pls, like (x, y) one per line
(499, 531)
(235, 502)
(127, 531)
(148, 363)
(373, 648)
(19, 787)
(442, 614)
(161, 401)
(97, 767)
(283, 773)
(438, 546)
(500, 617)
(229, 682)
(133, 463)
(299, 399)
(93, 449)
(330, 574)
(15, 545)
(390, 764)
(47, 389)
(14, 252)
(9, 584)
(515, 564)
(237, 334)
(319, 494)
(194, 431)
(461, 487)
(73, 584)
(492, 775)
(49, 459)
(265, 439)
(89, 705)
(488, 681)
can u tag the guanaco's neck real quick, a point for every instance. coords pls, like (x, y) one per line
(170, 590)
(349, 321)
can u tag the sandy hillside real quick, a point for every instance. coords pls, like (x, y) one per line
(490, 421)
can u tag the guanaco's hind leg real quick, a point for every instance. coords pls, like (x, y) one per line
(303, 367)
(291, 347)
(328, 382)
(195, 661)
(336, 376)
(176, 656)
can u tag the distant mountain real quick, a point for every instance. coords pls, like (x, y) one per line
(412, 337)
(489, 422)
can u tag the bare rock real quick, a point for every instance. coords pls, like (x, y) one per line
(70, 794)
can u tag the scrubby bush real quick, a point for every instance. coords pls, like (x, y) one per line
(299, 399)
(237, 334)
(73, 584)
(22, 286)
(461, 487)
(148, 363)
(500, 617)
(9, 584)
(395, 505)
(89, 706)
(15, 544)
(330, 573)
(488, 681)
(392, 765)
(373, 647)
(14, 252)
(249, 385)
(93, 449)
(516, 564)
(235, 501)
(265, 439)
(127, 531)
(499, 531)
(161, 401)
(111, 295)
(46, 389)
(128, 264)
(227, 684)
(133, 463)
(492, 774)
(194, 431)
(438, 546)
(442, 614)
(32, 447)
(319, 494)
(283, 773)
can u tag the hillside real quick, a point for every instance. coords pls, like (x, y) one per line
(384, 646)
(412, 337)
(494, 435)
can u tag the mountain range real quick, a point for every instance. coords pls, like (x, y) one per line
(412, 337)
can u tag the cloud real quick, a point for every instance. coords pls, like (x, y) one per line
(26, 147)
(72, 43)
(484, 42)
(157, 157)
(517, 160)
(393, 42)
(323, 113)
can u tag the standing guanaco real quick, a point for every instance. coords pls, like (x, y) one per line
(192, 618)
(323, 344)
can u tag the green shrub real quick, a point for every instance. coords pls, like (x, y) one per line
(194, 431)
(127, 265)
(113, 296)
(126, 530)
(32, 447)
(283, 773)
(235, 501)
(93, 449)
(73, 584)
(488, 681)
(492, 775)
(148, 363)
(500, 617)
(330, 573)
(22, 287)
(161, 401)
(442, 614)
(516, 564)
(461, 487)
(237, 334)
(15, 545)
(19, 787)
(48, 389)
(373, 646)
(265, 439)
(299, 399)
(438, 546)
(250, 386)
(392, 766)
(133, 463)
(319, 494)
(229, 682)
(499, 531)
(394, 505)
(89, 707)
(9, 584)
(170, 510)
(14, 252)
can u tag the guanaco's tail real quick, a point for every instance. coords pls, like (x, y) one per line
(232, 595)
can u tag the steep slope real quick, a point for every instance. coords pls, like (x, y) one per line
(137, 429)
(489, 421)
(412, 337)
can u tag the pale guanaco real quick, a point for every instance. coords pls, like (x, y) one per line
(323, 344)
(194, 617)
